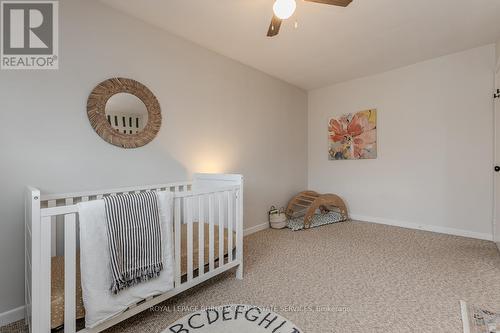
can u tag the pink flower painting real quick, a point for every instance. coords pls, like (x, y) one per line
(353, 136)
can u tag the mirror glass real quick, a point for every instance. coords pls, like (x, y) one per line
(126, 113)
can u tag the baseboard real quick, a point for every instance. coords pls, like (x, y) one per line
(409, 225)
(254, 229)
(11, 316)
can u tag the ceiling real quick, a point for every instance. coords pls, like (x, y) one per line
(331, 44)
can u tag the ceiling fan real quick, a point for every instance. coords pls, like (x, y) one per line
(284, 9)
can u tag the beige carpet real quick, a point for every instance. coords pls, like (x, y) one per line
(350, 277)
(390, 279)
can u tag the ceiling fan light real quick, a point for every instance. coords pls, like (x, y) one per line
(284, 9)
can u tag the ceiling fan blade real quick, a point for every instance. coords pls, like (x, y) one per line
(274, 27)
(342, 3)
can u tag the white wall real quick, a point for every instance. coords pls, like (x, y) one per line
(435, 139)
(498, 53)
(218, 116)
(497, 229)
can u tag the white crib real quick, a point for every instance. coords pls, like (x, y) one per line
(217, 198)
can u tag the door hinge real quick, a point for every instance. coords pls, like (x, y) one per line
(497, 94)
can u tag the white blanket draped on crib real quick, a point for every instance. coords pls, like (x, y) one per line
(100, 303)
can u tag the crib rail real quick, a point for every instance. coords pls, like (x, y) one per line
(32, 256)
(174, 187)
(69, 199)
(220, 208)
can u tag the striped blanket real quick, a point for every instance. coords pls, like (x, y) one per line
(134, 235)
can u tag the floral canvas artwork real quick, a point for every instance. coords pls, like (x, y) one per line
(353, 136)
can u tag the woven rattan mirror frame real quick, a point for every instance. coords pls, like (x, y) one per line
(96, 105)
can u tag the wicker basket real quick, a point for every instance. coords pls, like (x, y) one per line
(277, 219)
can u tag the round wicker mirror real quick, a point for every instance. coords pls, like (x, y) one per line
(124, 112)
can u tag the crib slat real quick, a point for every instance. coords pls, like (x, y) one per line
(53, 242)
(84, 199)
(60, 225)
(70, 273)
(189, 218)
(239, 234)
(211, 232)
(230, 221)
(177, 241)
(221, 229)
(45, 283)
(201, 236)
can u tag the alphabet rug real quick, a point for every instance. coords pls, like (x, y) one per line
(233, 318)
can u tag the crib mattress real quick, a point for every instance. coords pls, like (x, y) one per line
(57, 289)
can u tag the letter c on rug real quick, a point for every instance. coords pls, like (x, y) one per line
(191, 324)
